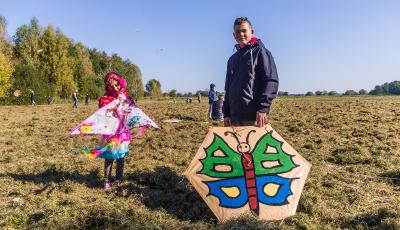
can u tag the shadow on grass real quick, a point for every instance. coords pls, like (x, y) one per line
(392, 176)
(54, 175)
(164, 189)
(185, 118)
(383, 219)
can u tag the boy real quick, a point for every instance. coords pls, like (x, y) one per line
(251, 80)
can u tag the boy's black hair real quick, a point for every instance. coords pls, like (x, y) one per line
(239, 21)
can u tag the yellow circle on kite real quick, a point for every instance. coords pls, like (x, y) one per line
(231, 192)
(85, 129)
(271, 189)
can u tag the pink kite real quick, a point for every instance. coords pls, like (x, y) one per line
(113, 120)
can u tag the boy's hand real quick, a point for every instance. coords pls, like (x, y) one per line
(262, 119)
(227, 121)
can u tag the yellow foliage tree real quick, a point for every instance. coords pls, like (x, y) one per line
(63, 72)
(6, 67)
(56, 62)
(6, 70)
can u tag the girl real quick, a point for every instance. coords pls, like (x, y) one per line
(115, 87)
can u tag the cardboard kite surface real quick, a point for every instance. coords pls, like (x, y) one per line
(248, 169)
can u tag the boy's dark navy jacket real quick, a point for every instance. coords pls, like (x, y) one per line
(251, 82)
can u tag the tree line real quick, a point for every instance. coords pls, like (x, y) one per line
(174, 93)
(392, 88)
(45, 60)
(388, 88)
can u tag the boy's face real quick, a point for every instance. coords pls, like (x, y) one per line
(243, 34)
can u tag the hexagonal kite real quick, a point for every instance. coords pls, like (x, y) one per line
(248, 169)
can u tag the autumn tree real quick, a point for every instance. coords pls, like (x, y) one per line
(63, 72)
(153, 88)
(84, 76)
(27, 44)
(172, 93)
(48, 58)
(6, 68)
(56, 62)
(350, 92)
(362, 92)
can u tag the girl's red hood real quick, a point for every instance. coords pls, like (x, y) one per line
(111, 90)
(111, 93)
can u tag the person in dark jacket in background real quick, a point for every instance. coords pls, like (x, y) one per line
(49, 100)
(212, 96)
(75, 98)
(87, 98)
(251, 79)
(217, 114)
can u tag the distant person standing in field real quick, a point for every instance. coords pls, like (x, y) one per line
(251, 80)
(212, 96)
(199, 97)
(217, 114)
(87, 99)
(33, 98)
(49, 100)
(75, 98)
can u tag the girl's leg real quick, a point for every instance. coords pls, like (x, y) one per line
(107, 169)
(120, 169)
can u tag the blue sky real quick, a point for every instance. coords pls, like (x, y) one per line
(317, 45)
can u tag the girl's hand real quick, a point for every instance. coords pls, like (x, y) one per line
(131, 101)
(121, 96)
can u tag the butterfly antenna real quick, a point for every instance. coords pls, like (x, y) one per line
(248, 136)
(234, 129)
(233, 135)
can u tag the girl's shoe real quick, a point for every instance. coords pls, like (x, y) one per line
(118, 182)
(107, 185)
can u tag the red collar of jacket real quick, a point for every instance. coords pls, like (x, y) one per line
(251, 42)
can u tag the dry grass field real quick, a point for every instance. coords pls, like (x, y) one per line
(45, 183)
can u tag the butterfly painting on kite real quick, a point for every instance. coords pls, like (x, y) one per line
(247, 180)
(254, 174)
